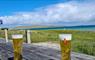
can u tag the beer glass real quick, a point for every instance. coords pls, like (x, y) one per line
(65, 44)
(17, 46)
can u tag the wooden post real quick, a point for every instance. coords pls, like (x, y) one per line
(6, 35)
(28, 38)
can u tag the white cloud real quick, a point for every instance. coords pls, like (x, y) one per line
(69, 13)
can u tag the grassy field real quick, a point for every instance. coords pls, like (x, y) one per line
(82, 41)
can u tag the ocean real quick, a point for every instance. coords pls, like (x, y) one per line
(82, 28)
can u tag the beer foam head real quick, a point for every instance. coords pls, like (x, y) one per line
(16, 36)
(65, 36)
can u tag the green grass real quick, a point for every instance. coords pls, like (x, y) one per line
(82, 41)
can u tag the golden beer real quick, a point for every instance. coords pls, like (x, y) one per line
(17, 46)
(65, 44)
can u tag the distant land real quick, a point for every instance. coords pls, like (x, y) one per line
(84, 27)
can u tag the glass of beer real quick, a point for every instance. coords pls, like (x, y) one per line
(17, 46)
(65, 44)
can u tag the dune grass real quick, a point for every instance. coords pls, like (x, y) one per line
(82, 41)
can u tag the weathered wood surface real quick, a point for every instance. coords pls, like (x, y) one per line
(34, 52)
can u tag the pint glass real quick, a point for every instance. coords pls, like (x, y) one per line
(65, 44)
(17, 46)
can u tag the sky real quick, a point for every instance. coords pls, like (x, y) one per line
(47, 12)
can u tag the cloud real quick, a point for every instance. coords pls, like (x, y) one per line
(68, 13)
